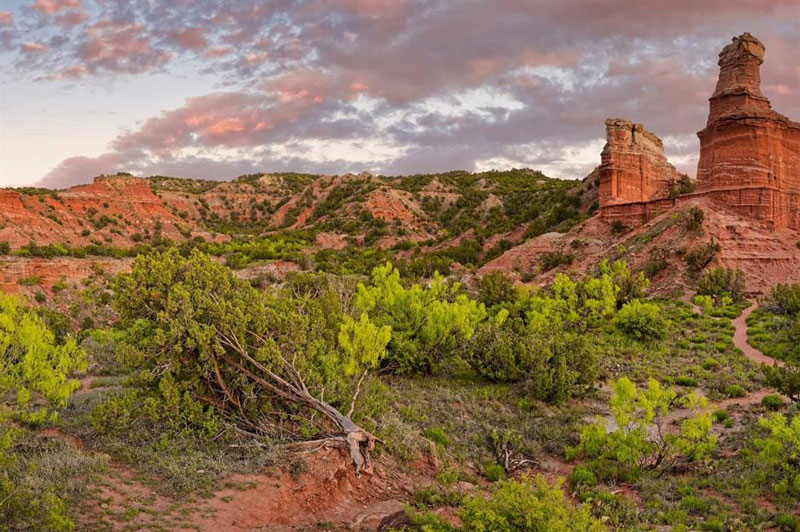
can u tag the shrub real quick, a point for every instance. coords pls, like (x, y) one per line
(554, 363)
(735, 390)
(772, 402)
(785, 379)
(33, 381)
(437, 436)
(628, 286)
(778, 451)
(526, 506)
(190, 322)
(5, 248)
(554, 259)
(641, 321)
(700, 257)
(784, 299)
(638, 414)
(429, 324)
(721, 416)
(694, 218)
(723, 282)
(495, 288)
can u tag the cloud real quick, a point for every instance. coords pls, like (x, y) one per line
(404, 86)
(191, 38)
(6, 18)
(34, 48)
(52, 7)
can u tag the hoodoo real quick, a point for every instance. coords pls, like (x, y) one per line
(749, 154)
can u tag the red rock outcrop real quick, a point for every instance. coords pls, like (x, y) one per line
(749, 154)
(633, 168)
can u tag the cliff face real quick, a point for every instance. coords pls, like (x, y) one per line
(633, 167)
(749, 154)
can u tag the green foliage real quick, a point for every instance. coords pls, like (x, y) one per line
(694, 218)
(629, 449)
(641, 321)
(554, 259)
(628, 286)
(428, 323)
(779, 450)
(735, 390)
(527, 506)
(495, 288)
(785, 379)
(5, 248)
(722, 282)
(701, 256)
(555, 364)
(772, 402)
(34, 378)
(437, 436)
(205, 344)
(784, 299)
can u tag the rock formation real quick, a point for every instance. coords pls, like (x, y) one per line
(634, 170)
(749, 154)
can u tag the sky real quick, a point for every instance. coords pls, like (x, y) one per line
(214, 89)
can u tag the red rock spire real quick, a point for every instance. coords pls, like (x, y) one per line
(739, 85)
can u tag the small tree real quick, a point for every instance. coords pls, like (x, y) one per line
(428, 323)
(34, 370)
(201, 339)
(638, 413)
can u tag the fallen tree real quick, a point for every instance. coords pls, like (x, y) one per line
(279, 365)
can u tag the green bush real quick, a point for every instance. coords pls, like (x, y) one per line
(5, 248)
(701, 256)
(785, 379)
(517, 506)
(429, 323)
(640, 440)
(555, 364)
(495, 288)
(641, 321)
(772, 402)
(735, 390)
(437, 436)
(722, 282)
(778, 451)
(190, 322)
(553, 259)
(784, 299)
(33, 382)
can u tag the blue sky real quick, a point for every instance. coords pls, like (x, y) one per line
(214, 89)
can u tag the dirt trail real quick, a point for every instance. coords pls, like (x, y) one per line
(740, 339)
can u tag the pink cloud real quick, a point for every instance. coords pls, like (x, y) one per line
(5, 18)
(51, 7)
(72, 18)
(120, 47)
(191, 38)
(34, 48)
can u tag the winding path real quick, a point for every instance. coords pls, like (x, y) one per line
(740, 339)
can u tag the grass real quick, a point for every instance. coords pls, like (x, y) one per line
(772, 335)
